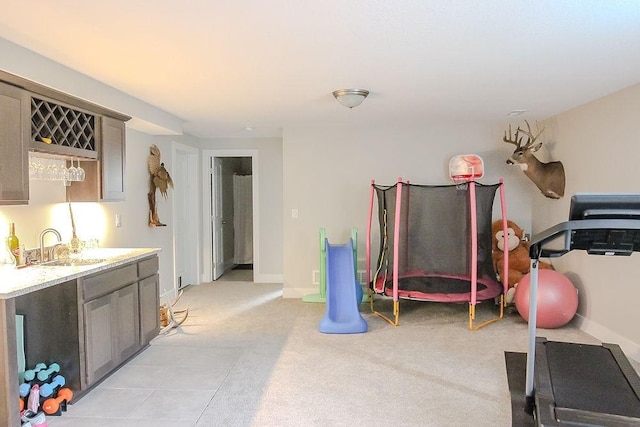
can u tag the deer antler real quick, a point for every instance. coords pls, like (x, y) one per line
(515, 141)
(528, 132)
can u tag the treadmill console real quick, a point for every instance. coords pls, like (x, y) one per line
(606, 230)
(604, 206)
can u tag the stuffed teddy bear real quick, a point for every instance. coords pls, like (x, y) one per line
(519, 261)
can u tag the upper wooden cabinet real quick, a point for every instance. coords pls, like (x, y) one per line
(105, 178)
(37, 118)
(113, 159)
(14, 160)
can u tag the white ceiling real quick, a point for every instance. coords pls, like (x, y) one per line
(223, 65)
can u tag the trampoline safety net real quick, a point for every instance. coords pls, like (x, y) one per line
(434, 244)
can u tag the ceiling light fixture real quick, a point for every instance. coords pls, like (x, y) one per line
(350, 97)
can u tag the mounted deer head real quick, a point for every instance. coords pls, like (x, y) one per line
(548, 177)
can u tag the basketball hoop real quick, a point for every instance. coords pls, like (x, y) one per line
(464, 168)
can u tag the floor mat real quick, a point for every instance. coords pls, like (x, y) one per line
(516, 364)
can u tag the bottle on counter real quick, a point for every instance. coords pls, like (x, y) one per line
(13, 243)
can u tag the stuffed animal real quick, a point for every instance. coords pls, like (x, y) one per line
(519, 261)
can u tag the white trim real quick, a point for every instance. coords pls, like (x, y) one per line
(206, 203)
(207, 254)
(192, 154)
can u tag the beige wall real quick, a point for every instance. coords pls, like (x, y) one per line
(327, 172)
(599, 145)
(25, 63)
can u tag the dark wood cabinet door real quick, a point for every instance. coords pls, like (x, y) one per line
(149, 308)
(14, 161)
(100, 344)
(128, 323)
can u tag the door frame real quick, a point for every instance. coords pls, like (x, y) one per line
(207, 192)
(191, 224)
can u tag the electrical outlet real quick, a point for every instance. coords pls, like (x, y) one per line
(361, 275)
(315, 277)
(118, 221)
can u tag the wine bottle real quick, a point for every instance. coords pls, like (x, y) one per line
(13, 243)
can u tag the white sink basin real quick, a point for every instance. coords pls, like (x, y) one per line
(70, 262)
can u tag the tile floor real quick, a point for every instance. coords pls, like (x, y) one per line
(166, 385)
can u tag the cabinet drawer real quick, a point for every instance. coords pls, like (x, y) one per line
(148, 267)
(109, 281)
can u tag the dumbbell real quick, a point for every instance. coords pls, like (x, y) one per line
(51, 406)
(30, 374)
(23, 389)
(47, 389)
(46, 373)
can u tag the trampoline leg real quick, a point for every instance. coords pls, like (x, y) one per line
(472, 316)
(396, 313)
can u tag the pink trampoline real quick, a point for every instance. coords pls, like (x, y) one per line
(435, 245)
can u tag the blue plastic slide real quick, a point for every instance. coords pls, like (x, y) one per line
(342, 315)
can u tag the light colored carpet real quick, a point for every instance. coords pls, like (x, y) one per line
(248, 357)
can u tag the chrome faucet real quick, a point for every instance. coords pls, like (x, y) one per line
(44, 233)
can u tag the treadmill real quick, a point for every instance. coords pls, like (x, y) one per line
(580, 384)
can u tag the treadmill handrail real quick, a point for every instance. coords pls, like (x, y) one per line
(536, 250)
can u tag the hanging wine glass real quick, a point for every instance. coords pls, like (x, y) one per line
(73, 172)
(81, 173)
(64, 173)
(33, 169)
(62, 170)
(40, 172)
(52, 171)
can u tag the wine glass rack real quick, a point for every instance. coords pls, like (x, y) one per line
(63, 126)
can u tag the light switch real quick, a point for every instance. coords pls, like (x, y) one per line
(294, 213)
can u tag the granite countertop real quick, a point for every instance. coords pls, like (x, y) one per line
(15, 282)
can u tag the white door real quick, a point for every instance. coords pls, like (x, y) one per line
(185, 213)
(212, 227)
(217, 221)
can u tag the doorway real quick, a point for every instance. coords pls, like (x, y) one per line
(230, 212)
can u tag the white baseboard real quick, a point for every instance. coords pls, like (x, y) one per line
(631, 349)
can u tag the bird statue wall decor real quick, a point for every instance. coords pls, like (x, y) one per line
(159, 179)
